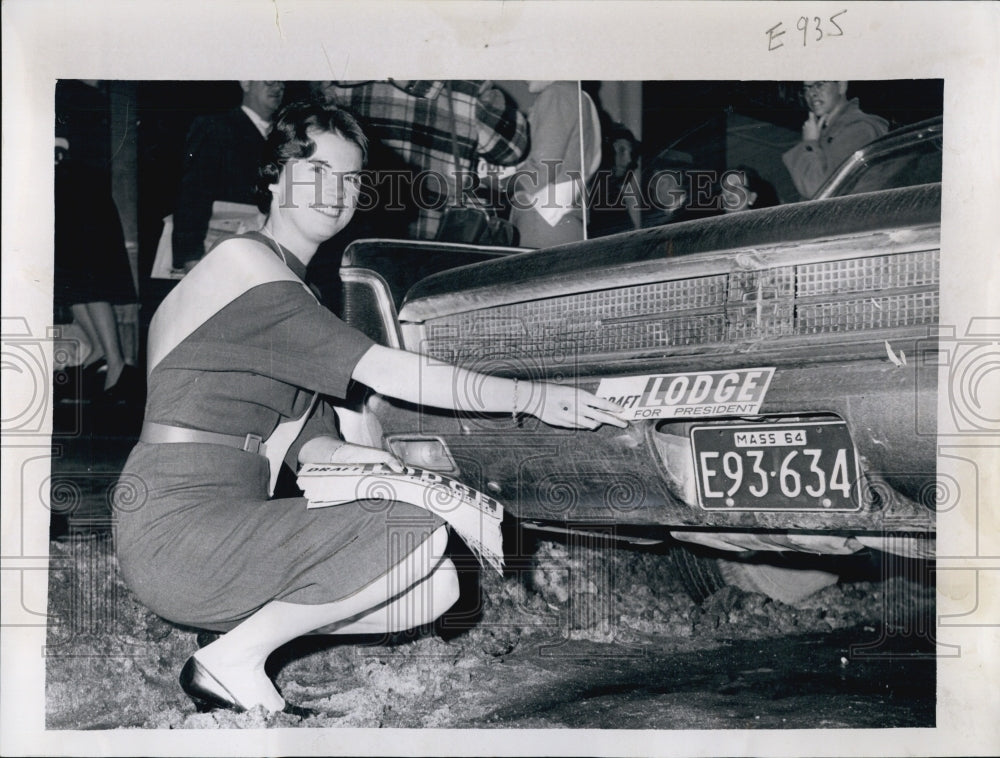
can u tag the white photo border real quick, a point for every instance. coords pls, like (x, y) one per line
(44, 40)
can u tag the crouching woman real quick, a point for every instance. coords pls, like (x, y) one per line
(238, 353)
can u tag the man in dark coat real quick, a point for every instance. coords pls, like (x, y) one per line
(836, 127)
(220, 163)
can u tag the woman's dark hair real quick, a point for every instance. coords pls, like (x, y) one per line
(288, 140)
(617, 131)
(620, 131)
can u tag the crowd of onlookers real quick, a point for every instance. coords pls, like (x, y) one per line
(547, 168)
(455, 160)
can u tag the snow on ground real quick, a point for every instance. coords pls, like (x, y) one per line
(113, 664)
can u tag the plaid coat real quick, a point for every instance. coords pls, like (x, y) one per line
(412, 122)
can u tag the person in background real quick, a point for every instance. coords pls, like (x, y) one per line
(549, 186)
(412, 120)
(92, 272)
(743, 188)
(239, 352)
(220, 163)
(836, 127)
(610, 213)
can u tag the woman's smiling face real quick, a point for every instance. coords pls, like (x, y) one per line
(317, 195)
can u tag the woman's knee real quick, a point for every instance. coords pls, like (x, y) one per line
(444, 583)
(426, 601)
(424, 560)
(434, 596)
(439, 541)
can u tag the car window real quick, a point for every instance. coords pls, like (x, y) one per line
(916, 164)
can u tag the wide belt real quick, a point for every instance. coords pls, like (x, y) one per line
(164, 433)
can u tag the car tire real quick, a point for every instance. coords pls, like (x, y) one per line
(699, 573)
(703, 575)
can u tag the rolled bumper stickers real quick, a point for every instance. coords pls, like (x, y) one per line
(475, 517)
(690, 395)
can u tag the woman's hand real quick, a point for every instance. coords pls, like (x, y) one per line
(326, 449)
(361, 455)
(558, 405)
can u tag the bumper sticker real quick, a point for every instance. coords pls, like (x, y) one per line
(739, 392)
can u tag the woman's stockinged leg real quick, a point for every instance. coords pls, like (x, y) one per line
(417, 589)
(98, 322)
(421, 604)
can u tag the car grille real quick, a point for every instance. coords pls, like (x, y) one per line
(781, 302)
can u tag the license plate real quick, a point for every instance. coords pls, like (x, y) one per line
(808, 466)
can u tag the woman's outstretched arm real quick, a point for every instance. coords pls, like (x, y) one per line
(426, 381)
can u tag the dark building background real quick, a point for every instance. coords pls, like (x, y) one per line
(710, 124)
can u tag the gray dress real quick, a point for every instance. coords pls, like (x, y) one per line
(200, 543)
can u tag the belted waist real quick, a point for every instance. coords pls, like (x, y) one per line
(155, 433)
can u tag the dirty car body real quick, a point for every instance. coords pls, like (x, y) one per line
(774, 365)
